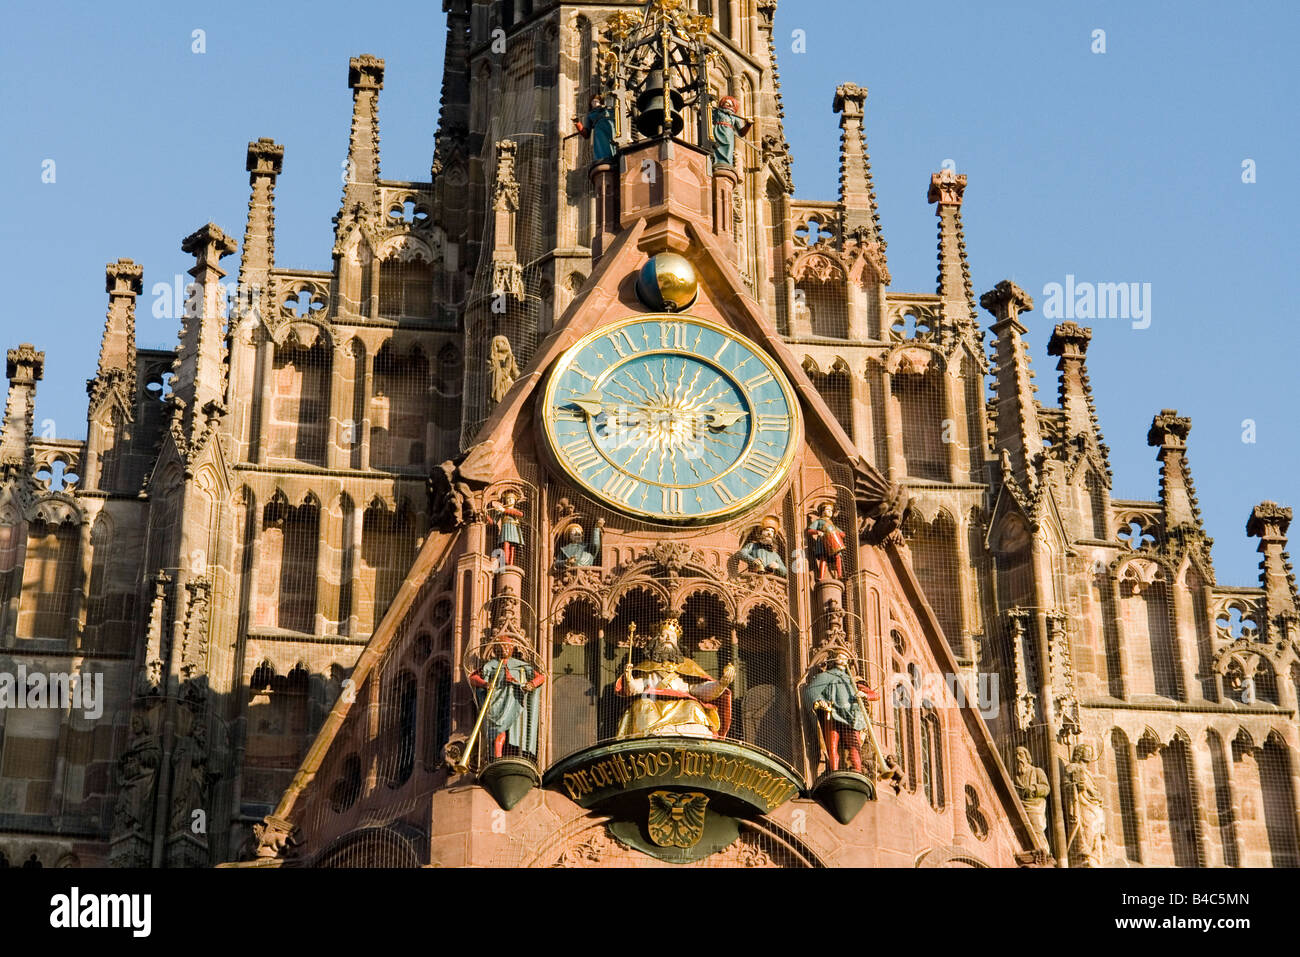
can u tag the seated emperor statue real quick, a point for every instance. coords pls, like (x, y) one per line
(664, 703)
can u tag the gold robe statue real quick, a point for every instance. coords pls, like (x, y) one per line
(664, 704)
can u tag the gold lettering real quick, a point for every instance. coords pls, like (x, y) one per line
(665, 762)
(574, 785)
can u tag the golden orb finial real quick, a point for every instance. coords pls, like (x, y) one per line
(668, 283)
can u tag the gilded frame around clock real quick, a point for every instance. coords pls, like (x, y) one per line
(549, 411)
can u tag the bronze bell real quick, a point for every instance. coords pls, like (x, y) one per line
(655, 114)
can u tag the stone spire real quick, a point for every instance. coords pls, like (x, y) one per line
(1017, 435)
(772, 106)
(25, 368)
(946, 191)
(366, 79)
(453, 107)
(1269, 523)
(857, 194)
(123, 281)
(1069, 343)
(1177, 494)
(264, 161)
(199, 382)
(114, 385)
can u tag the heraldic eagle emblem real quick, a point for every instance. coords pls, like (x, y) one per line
(677, 820)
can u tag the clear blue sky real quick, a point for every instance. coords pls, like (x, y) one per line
(1115, 167)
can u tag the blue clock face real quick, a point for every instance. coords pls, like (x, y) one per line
(671, 418)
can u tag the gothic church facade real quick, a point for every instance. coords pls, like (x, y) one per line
(284, 545)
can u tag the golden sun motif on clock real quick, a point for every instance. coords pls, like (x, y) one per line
(671, 418)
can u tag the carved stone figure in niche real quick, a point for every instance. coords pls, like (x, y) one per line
(577, 552)
(502, 368)
(665, 704)
(1087, 840)
(726, 124)
(137, 772)
(510, 700)
(599, 126)
(1032, 786)
(506, 515)
(762, 552)
(835, 699)
(825, 542)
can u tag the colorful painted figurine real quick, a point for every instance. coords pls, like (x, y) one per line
(508, 517)
(598, 126)
(664, 703)
(726, 124)
(511, 717)
(762, 552)
(825, 542)
(835, 699)
(576, 552)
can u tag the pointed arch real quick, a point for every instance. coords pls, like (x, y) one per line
(399, 407)
(936, 560)
(1277, 794)
(1127, 785)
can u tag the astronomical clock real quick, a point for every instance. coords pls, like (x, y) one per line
(671, 418)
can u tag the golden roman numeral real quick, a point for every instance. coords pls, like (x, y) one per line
(619, 487)
(762, 379)
(672, 501)
(724, 493)
(581, 455)
(672, 335)
(761, 464)
(626, 341)
(773, 423)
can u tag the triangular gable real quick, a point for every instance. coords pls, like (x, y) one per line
(604, 299)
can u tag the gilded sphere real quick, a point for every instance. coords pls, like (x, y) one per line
(668, 283)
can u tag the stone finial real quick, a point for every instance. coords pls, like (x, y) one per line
(1006, 301)
(850, 99)
(123, 281)
(26, 366)
(1269, 521)
(264, 162)
(953, 283)
(265, 157)
(366, 72)
(123, 278)
(1177, 493)
(208, 245)
(857, 191)
(1069, 341)
(946, 188)
(1169, 430)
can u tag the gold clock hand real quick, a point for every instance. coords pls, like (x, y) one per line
(592, 404)
(724, 418)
